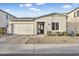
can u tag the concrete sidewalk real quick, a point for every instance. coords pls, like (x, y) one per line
(39, 49)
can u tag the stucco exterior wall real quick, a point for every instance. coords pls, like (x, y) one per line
(73, 22)
(61, 19)
(10, 30)
(47, 23)
(71, 17)
(73, 27)
(3, 20)
(53, 18)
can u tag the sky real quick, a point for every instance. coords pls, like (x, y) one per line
(36, 9)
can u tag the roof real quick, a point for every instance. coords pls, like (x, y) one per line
(21, 20)
(33, 18)
(52, 14)
(24, 19)
(73, 10)
(8, 13)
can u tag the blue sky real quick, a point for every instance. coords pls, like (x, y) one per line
(36, 9)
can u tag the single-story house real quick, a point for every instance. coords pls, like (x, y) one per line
(54, 22)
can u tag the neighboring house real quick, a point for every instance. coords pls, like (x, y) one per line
(4, 18)
(73, 21)
(54, 22)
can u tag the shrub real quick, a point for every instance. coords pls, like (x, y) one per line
(54, 33)
(58, 33)
(2, 31)
(65, 34)
(49, 33)
(77, 34)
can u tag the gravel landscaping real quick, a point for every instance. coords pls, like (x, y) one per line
(38, 39)
(53, 40)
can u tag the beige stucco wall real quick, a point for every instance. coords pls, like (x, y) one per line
(73, 22)
(73, 27)
(3, 20)
(9, 29)
(71, 17)
(47, 21)
(62, 22)
(53, 18)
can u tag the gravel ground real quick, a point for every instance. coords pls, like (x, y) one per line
(53, 40)
(25, 39)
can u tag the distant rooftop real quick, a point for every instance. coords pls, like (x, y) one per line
(7, 13)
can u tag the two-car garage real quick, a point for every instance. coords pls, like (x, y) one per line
(23, 28)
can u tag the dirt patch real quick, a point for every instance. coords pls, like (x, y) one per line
(53, 40)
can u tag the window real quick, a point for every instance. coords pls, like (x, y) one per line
(6, 16)
(55, 26)
(77, 13)
(74, 14)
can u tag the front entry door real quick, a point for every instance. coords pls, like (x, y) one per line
(40, 28)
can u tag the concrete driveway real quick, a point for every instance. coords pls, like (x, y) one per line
(14, 39)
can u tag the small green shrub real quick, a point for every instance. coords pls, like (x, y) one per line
(2, 31)
(58, 34)
(65, 34)
(54, 34)
(77, 34)
(49, 33)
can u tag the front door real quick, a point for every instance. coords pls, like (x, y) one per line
(40, 27)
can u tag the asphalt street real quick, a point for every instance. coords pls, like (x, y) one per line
(39, 49)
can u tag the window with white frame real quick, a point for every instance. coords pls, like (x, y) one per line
(78, 13)
(55, 26)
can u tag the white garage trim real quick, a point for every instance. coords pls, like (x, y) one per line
(23, 28)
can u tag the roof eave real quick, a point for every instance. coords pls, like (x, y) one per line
(8, 13)
(72, 10)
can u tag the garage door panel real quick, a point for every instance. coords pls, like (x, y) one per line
(23, 28)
